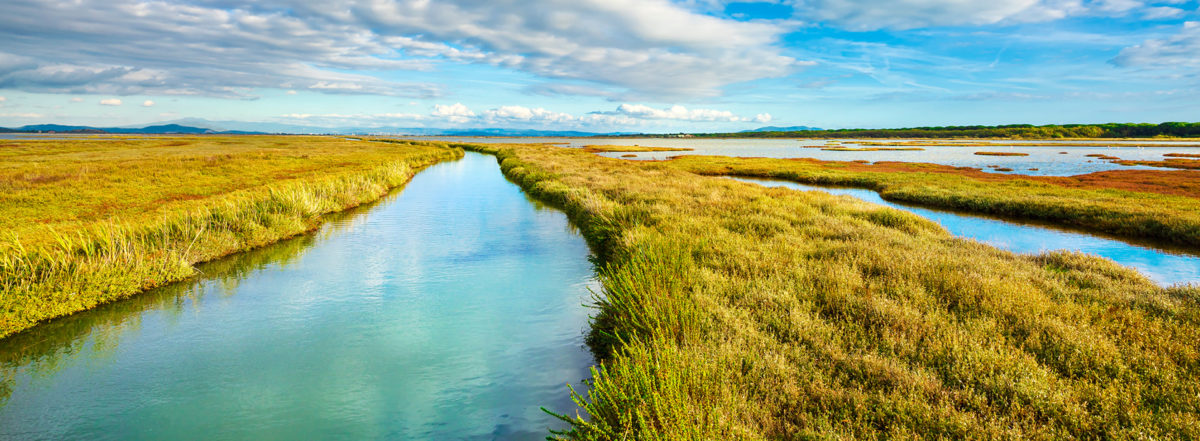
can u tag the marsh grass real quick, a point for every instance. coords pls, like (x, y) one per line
(1184, 164)
(72, 247)
(631, 149)
(732, 311)
(1086, 204)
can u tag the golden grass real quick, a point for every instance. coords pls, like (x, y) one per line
(87, 222)
(631, 149)
(734, 311)
(1109, 203)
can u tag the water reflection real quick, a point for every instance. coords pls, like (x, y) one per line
(452, 311)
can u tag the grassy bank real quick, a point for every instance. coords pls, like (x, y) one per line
(1137, 204)
(732, 311)
(91, 221)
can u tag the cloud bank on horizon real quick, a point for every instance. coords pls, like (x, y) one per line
(600, 65)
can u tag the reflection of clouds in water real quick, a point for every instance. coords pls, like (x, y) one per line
(452, 311)
(95, 335)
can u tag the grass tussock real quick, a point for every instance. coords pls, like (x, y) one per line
(1183, 164)
(1001, 154)
(631, 149)
(1073, 201)
(91, 222)
(734, 311)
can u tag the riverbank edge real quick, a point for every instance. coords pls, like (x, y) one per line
(648, 316)
(114, 262)
(1120, 213)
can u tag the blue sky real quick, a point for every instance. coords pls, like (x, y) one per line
(600, 65)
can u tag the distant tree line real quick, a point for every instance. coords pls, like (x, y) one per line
(1016, 131)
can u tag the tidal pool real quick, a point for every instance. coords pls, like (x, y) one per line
(1164, 266)
(450, 310)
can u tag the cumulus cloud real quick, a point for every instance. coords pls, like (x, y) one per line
(229, 47)
(1179, 51)
(526, 114)
(863, 15)
(147, 103)
(76, 100)
(110, 102)
(455, 113)
(3, 99)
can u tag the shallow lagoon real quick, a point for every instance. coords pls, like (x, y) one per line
(451, 310)
(1047, 160)
(1164, 266)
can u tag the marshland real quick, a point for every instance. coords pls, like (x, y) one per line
(519, 289)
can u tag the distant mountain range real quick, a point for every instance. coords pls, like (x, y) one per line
(154, 129)
(782, 129)
(197, 126)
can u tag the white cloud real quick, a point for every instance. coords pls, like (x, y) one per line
(1179, 51)
(76, 100)
(22, 115)
(1162, 12)
(455, 113)
(110, 102)
(147, 103)
(291, 92)
(863, 15)
(525, 114)
(3, 99)
(229, 48)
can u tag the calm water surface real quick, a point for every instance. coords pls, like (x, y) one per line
(1047, 160)
(1166, 267)
(452, 310)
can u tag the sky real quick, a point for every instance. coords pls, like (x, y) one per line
(650, 66)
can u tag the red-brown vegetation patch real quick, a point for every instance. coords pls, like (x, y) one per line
(1170, 182)
(1185, 164)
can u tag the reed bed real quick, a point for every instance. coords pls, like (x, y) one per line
(95, 254)
(732, 311)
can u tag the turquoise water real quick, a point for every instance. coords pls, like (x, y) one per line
(1164, 266)
(451, 310)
